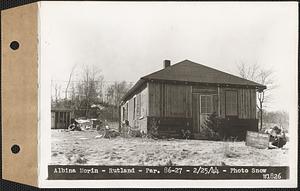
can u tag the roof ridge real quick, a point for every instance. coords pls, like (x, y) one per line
(225, 72)
(163, 69)
(210, 68)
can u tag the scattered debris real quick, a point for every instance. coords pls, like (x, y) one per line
(74, 127)
(108, 133)
(277, 137)
(54, 154)
(231, 155)
(81, 160)
(98, 136)
(223, 163)
(170, 163)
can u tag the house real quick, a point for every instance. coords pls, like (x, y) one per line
(183, 95)
(61, 117)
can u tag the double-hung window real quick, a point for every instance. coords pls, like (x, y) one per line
(231, 103)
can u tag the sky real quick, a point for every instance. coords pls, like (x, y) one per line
(128, 40)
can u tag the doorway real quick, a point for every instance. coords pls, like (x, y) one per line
(203, 106)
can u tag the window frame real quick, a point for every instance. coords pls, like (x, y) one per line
(211, 97)
(236, 101)
(126, 106)
(123, 112)
(134, 107)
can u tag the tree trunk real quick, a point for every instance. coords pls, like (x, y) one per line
(261, 116)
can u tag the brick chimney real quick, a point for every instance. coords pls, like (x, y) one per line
(167, 63)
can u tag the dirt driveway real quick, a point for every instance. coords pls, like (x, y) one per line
(82, 147)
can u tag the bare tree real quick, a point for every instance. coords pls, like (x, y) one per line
(279, 117)
(68, 84)
(260, 75)
(90, 86)
(57, 89)
(248, 71)
(116, 91)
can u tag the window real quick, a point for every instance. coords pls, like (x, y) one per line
(123, 113)
(126, 111)
(138, 105)
(206, 104)
(61, 117)
(231, 103)
(134, 107)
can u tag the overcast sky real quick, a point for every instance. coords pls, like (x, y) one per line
(129, 40)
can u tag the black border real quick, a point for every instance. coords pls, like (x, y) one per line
(7, 4)
(13, 186)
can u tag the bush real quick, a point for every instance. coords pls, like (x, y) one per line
(169, 163)
(209, 134)
(186, 134)
(128, 131)
(212, 128)
(135, 132)
(153, 128)
(125, 129)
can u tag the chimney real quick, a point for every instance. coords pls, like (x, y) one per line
(167, 63)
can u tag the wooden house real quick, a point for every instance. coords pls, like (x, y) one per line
(183, 95)
(61, 118)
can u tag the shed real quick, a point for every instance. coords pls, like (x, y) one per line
(183, 95)
(61, 117)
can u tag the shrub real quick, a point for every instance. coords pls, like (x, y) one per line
(128, 131)
(124, 130)
(135, 132)
(170, 163)
(186, 134)
(153, 128)
(212, 128)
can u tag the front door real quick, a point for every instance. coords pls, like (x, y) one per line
(203, 106)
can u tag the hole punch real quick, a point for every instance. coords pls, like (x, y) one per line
(14, 45)
(15, 149)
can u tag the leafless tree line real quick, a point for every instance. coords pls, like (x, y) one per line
(87, 89)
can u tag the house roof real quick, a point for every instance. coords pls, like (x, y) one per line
(188, 71)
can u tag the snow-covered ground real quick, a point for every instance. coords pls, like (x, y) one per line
(86, 148)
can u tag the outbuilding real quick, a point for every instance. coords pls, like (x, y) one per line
(182, 96)
(61, 117)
